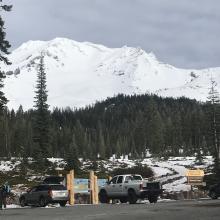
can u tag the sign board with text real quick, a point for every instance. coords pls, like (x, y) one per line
(82, 185)
(195, 177)
(196, 172)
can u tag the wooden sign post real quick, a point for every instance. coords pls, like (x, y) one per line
(72, 199)
(194, 178)
(91, 186)
(70, 186)
(96, 189)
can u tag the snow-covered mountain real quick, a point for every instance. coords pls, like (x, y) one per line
(80, 74)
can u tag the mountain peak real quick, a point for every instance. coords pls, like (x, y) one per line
(81, 73)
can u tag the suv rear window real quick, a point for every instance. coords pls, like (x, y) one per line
(57, 187)
(42, 188)
(134, 177)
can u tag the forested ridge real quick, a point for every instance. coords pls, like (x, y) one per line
(130, 125)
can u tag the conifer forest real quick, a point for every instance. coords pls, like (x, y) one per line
(123, 125)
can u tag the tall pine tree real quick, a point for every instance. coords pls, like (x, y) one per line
(42, 116)
(213, 113)
(72, 157)
(154, 129)
(4, 46)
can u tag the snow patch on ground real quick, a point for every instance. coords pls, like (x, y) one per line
(8, 165)
(171, 172)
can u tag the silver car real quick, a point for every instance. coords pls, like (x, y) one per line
(45, 194)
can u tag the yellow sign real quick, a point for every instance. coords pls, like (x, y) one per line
(198, 172)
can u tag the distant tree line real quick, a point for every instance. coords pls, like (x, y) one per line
(123, 125)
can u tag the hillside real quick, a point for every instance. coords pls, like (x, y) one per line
(79, 74)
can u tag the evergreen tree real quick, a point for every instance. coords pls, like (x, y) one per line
(197, 136)
(101, 142)
(213, 113)
(72, 157)
(177, 133)
(139, 133)
(20, 134)
(79, 133)
(154, 129)
(42, 116)
(23, 166)
(3, 99)
(4, 46)
(4, 134)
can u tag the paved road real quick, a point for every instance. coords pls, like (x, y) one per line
(179, 210)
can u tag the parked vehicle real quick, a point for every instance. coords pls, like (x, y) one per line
(46, 193)
(54, 180)
(130, 188)
(214, 191)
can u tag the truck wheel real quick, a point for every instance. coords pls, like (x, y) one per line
(132, 197)
(22, 202)
(103, 198)
(123, 200)
(152, 199)
(213, 195)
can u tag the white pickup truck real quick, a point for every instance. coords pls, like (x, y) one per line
(130, 188)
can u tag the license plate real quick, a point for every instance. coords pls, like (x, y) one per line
(61, 194)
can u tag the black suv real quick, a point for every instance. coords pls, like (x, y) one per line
(50, 191)
(214, 191)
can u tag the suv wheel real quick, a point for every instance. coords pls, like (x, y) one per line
(62, 204)
(132, 197)
(42, 202)
(213, 195)
(103, 198)
(22, 202)
(123, 200)
(152, 199)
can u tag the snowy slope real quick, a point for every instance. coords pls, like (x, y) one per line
(80, 74)
(171, 173)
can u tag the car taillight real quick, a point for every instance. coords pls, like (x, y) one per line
(141, 186)
(50, 193)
